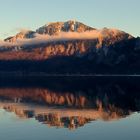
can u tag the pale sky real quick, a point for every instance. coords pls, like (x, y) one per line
(31, 14)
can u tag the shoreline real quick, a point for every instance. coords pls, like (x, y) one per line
(20, 74)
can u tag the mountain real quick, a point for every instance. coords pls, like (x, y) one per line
(71, 47)
(55, 28)
(22, 35)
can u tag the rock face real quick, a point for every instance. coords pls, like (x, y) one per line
(69, 26)
(71, 47)
(53, 28)
(106, 51)
(21, 35)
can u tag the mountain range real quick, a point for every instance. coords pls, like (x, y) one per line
(71, 47)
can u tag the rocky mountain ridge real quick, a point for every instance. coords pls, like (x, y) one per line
(70, 50)
(52, 29)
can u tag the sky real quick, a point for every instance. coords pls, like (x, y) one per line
(16, 15)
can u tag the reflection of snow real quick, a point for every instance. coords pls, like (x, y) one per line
(73, 27)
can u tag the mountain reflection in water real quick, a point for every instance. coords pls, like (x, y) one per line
(73, 102)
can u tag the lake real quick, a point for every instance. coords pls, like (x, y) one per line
(72, 108)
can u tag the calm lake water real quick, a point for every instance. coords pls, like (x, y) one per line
(64, 108)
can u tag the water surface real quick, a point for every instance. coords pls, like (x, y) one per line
(70, 108)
